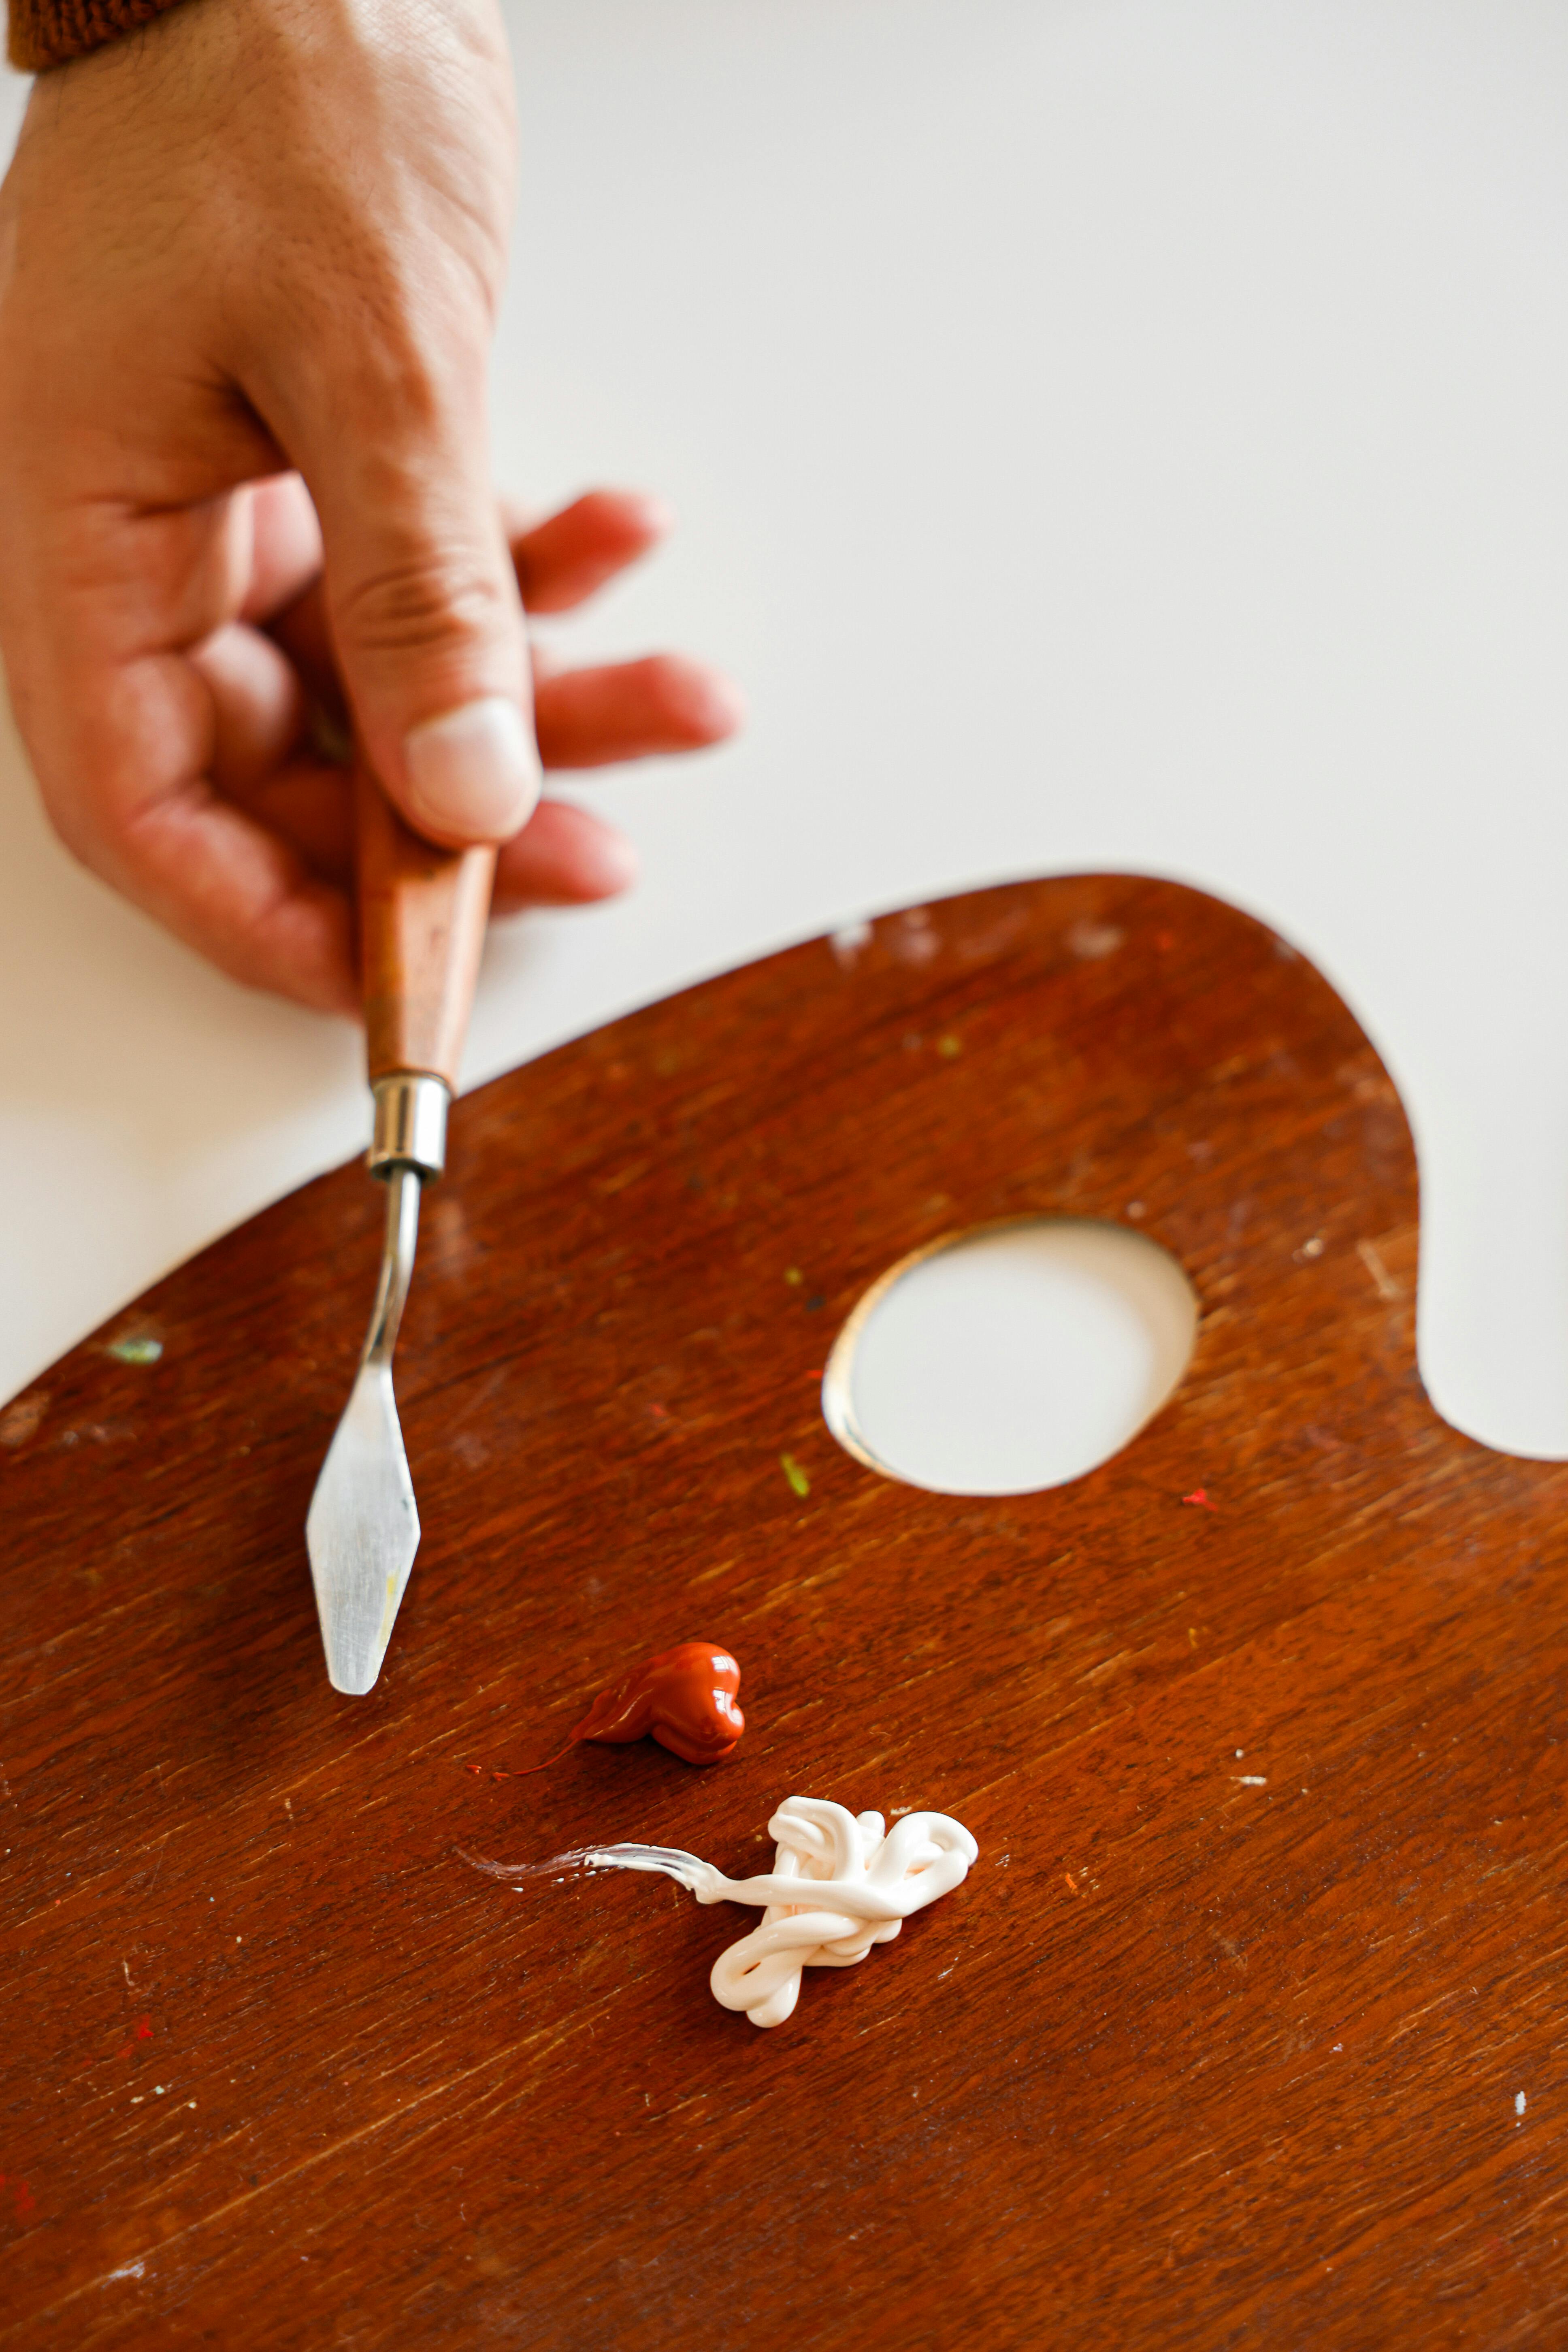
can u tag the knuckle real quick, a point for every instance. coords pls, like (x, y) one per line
(427, 600)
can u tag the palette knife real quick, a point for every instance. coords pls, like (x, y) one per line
(422, 915)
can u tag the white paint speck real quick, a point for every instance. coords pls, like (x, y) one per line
(1239, 1754)
(848, 940)
(1249, 1779)
(1339, 2046)
(1372, 1258)
(1092, 941)
(1519, 2103)
(130, 2269)
(158, 2089)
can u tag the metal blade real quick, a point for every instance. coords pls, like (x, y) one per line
(362, 1529)
(363, 1532)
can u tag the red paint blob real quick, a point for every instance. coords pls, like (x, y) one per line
(685, 1697)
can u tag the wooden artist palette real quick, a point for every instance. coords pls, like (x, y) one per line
(1207, 2049)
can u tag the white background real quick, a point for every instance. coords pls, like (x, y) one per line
(1107, 432)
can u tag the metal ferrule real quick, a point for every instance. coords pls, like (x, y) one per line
(410, 1124)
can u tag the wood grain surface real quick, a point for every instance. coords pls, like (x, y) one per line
(1192, 2059)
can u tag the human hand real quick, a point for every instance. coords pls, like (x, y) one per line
(279, 722)
(249, 261)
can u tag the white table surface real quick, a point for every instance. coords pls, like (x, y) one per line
(1108, 433)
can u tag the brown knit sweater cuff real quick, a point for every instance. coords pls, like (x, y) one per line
(46, 32)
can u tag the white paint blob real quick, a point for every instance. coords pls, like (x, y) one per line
(1013, 1358)
(840, 1883)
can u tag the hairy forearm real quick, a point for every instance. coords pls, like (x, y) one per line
(45, 32)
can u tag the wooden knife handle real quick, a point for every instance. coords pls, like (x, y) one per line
(422, 916)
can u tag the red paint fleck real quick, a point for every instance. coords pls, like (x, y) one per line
(1072, 1883)
(473, 1767)
(685, 1697)
(500, 1776)
(1200, 1496)
(143, 2033)
(21, 2196)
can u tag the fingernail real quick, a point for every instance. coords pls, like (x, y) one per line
(473, 770)
(612, 864)
(656, 513)
(728, 706)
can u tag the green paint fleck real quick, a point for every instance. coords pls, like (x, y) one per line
(136, 1351)
(793, 1277)
(799, 1482)
(950, 1047)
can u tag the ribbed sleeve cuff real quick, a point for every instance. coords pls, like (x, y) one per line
(45, 32)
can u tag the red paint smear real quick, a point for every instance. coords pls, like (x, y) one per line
(144, 2028)
(1200, 1496)
(526, 1771)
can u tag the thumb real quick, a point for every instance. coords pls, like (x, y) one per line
(423, 605)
